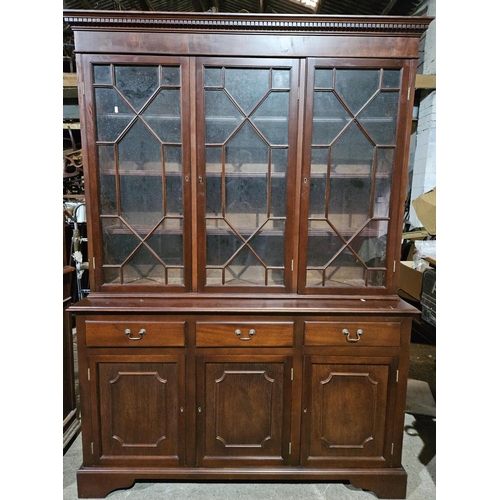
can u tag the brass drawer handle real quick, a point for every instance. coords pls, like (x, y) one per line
(251, 333)
(346, 332)
(128, 333)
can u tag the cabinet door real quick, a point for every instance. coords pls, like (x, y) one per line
(354, 158)
(139, 172)
(347, 413)
(244, 410)
(138, 409)
(247, 138)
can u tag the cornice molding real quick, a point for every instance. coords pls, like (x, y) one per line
(82, 19)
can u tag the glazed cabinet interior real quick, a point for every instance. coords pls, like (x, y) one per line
(245, 178)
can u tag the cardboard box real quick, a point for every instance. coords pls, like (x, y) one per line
(425, 208)
(410, 280)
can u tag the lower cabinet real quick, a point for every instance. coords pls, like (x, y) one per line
(197, 397)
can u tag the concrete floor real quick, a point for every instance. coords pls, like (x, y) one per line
(419, 460)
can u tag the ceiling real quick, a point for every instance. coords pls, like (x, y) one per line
(330, 7)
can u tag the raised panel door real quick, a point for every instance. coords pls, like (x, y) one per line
(139, 404)
(347, 407)
(243, 410)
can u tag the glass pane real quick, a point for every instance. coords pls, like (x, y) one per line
(137, 83)
(323, 243)
(173, 158)
(349, 203)
(174, 194)
(269, 243)
(323, 78)
(112, 114)
(281, 78)
(107, 180)
(143, 267)
(175, 276)
(221, 116)
(278, 182)
(356, 86)
(141, 201)
(391, 78)
(379, 118)
(247, 152)
(345, 270)
(213, 77)
(318, 182)
(222, 243)
(247, 86)
(118, 241)
(329, 118)
(214, 277)
(170, 75)
(245, 269)
(139, 149)
(276, 277)
(213, 192)
(166, 242)
(352, 153)
(111, 275)
(271, 118)
(246, 202)
(102, 74)
(383, 182)
(372, 250)
(163, 115)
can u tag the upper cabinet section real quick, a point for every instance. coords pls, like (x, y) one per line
(244, 153)
(248, 133)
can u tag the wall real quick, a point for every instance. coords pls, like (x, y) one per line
(422, 164)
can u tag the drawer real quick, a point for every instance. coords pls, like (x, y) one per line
(241, 334)
(135, 333)
(343, 333)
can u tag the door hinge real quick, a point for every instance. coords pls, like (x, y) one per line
(292, 264)
(92, 448)
(291, 374)
(93, 262)
(394, 267)
(392, 449)
(83, 87)
(397, 376)
(289, 448)
(298, 93)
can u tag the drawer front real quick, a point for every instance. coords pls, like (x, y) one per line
(348, 333)
(244, 334)
(135, 333)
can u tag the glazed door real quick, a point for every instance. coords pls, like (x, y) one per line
(353, 157)
(138, 406)
(138, 164)
(244, 410)
(247, 140)
(348, 402)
